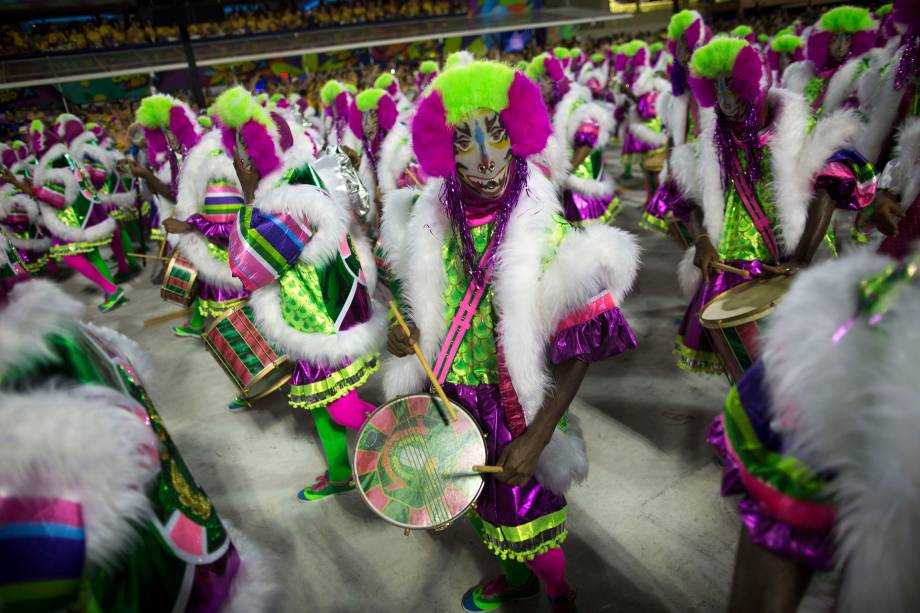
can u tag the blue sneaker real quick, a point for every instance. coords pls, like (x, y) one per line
(491, 595)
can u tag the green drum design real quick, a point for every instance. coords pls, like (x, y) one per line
(179, 282)
(414, 467)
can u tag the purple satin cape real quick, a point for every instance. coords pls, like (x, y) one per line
(669, 199)
(602, 337)
(217, 233)
(581, 207)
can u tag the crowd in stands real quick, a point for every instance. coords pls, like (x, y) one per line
(105, 33)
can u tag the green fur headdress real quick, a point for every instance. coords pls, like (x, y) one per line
(680, 22)
(631, 48)
(655, 47)
(741, 31)
(717, 58)
(153, 113)
(329, 91)
(428, 66)
(368, 99)
(846, 19)
(236, 106)
(562, 53)
(536, 69)
(786, 43)
(482, 85)
(883, 10)
(384, 81)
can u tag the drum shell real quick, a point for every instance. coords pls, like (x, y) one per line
(180, 282)
(379, 465)
(234, 341)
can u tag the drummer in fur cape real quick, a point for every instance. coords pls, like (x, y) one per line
(488, 217)
(765, 185)
(311, 278)
(209, 198)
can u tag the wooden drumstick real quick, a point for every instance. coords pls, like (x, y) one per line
(421, 358)
(144, 256)
(485, 468)
(727, 268)
(414, 178)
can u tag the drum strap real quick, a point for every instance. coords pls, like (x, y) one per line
(758, 217)
(463, 319)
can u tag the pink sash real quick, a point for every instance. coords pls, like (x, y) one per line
(758, 217)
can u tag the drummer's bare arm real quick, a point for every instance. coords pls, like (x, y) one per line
(248, 176)
(886, 212)
(820, 212)
(519, 459)
(177, 226)
(580, 155)
(706, 252)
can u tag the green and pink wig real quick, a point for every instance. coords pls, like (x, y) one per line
(427, 71)
(456, 93)
(41, 139)
(687, 25)
(264, 135)
(102, 135)
(387, 82)
(744, 32)
(906, 15)
(279, 101)
(785, 45)
(729, 57)
(632, 56)
(68, 127)
(546, 65)
(335, 98)
(853, 21)
(153, 117)
(368, 100)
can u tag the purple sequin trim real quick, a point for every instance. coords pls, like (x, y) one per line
(306, 373)
(678, 79)
(669, 199)
(599, 338)
(909, 65)
(581, 207)
(209, 292)
(729, 135)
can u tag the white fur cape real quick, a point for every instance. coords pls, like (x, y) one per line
(45, 175)
(795, 159)
(842, 83)
(329, 220)
(566, 123)
(530, 300)
(850, 407)
(200, 167)
(879, 101)
(395, 157)
(86, 144)
(907, 154)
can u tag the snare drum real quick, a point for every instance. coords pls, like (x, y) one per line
(241, 350)
(179, 281)
(414, 468)
(654, 163)
(733, 319)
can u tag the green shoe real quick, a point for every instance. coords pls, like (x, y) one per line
(238, 404)
(490, 595)
(112, 301)
(188, 331)
(324, 487)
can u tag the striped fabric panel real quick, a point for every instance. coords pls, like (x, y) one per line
(42, 552)
(222, 201)
(264, 245)
(850, 179)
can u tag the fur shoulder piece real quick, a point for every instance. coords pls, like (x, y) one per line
(841, 85)
(395, 157)
(797, 75)
(594, 113)
(86, 144)
(838, 414)
(576, 94)
(397, 208)
(35, 310)
(85, 444)
(199, 167)
(642, 132)
(312, 205)
(908, 156)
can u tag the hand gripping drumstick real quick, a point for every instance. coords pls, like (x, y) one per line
(434, 381)
(727, 268)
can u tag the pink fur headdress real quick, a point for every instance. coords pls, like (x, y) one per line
(41, 139)
(734, 57)
(183, 123)
(843, 20)
(68, 127)
(457, 92)
(372, 99)
(261, 133)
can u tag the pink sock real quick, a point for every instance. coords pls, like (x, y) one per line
(86, 268)
(118, 250)
(550, 568)
(350, 411)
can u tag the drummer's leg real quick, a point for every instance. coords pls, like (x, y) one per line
(195, 325)
(764, 582)
(350, 411)
(516, 573)
(550, 568)
(335, 445)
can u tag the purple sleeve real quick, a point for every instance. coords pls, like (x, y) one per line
(646, 107)
(587, 135)
(217, 233)
(849, 179)
(592, 339)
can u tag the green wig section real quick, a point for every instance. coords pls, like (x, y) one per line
(764, 38)
(384, 81)
(787, 43)
(741, 31)
(655, 47)
(262, 98)
(236, 106)
(428, 66)
(846, 19)
(537, 68)
(329, 91)
(785, 31)
(679, 23)
(717, 57)
(368, 99)
(153, 113)
(350, 88)
(631, 48)
(481, 85)
(205, 122)
(562, 53)
(522, 66)
(575, 52)
(597, 58)
(37, 125)
(883, 10)
(276, 98)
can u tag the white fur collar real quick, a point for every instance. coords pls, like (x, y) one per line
(211, 270)
(45, 174)
(86, 144)
(395, 157)
(73, 234)
(879, 101)
(576, 94)
(11, 197)
(842, 84)
(908, 154)
(638, 129)
(590, 112)
(797, 75)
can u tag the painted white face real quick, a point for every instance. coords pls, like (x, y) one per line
(482, 151)
(370, 124)
(839, 47)
(683, 51)
(729, 102)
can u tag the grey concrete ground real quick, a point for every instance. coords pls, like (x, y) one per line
(648, 531)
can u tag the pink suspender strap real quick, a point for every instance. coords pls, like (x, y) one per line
(462, 320)
(758, 217)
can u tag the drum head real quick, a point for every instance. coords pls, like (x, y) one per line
(413, 468)
(745, 303)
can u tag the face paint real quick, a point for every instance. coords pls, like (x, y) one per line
(546, 88)
(241, 152)
(683, 51)
(839, 47)
(482, 151)
(370, 124)
(729, 102)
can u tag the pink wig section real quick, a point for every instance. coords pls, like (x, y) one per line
(387, 113)
(819, 42)
(285, 136)
(227, 139)
(8, 156)
(526, 117)
(70, 129)
(393, 87)
(703, 90)
(157, 145)
(184, 126)
(432, 138)
(354, 120)
(640, 59)
(261, 148)
(750, 79)
(862, 42)
(554, 68)
(906, 11)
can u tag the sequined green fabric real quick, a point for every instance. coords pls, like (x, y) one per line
(302, 304)
(476, 362)
(589, 168)
(217, 252)
(740, 239)
(813, 89)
